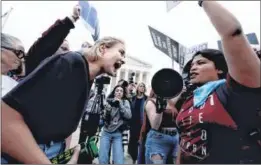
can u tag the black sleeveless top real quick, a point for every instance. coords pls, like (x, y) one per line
(167, 119)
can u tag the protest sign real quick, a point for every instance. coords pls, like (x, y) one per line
(90, 19)
(251, 37)
(165, 44)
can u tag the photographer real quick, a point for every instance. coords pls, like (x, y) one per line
(219, 120)
(91, 120)
(67, 78)
(116, 111)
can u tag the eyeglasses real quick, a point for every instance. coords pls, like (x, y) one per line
(19, 53)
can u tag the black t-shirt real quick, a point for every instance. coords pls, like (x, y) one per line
(137, 110)
(52, 98)
(217, 134)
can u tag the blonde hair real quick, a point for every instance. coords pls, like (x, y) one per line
(142, 83)
(108, 42)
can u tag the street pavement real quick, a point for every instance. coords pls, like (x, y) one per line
(74, 142)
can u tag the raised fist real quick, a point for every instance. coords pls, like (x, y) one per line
(76, 12)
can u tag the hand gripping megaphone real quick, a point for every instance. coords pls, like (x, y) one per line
(166, 84)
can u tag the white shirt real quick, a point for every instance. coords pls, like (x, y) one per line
(7, 84)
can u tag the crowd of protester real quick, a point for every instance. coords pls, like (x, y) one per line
(48, 91)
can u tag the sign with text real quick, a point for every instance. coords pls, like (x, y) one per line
(90, 19)
(251, 37)
(197, 48)
(172, 4)
(186, 54)
(165, 44)
(182, 55)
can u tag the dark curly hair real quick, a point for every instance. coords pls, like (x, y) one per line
(111, 95)
(217, 57)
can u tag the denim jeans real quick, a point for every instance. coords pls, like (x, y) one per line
(50, 150)
(160, 144)
(106, 141)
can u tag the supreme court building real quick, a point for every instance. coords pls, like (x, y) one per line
(141, 69)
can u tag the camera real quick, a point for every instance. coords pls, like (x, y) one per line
(113, 102)
(103, 80)
(131, 79)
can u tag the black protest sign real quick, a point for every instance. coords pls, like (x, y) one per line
(165, 44)
(182, 54)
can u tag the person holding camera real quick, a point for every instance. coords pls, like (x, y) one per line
(162, 139)
(220, 119)
(116, 111)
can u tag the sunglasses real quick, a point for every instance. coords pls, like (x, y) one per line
(19, 53)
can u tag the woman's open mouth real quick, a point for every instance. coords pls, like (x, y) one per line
(117, 65)
(193, 75)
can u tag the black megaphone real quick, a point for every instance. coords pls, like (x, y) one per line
(167, 83)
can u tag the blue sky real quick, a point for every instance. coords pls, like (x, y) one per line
(129, 20)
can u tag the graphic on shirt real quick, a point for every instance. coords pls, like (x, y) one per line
(193, 121)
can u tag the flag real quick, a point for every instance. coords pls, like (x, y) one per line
(90, 19)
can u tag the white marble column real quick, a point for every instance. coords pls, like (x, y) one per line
(146, 81)
(140, 77)
(126, 75)
(134, 77)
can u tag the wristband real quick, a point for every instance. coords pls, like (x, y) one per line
(200, 3)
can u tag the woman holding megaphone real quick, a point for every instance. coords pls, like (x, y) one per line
(162, 139)
(219, 121)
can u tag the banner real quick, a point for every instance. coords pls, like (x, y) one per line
(251, 37)
(90, 19)
(165, 44)
(172, 4)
